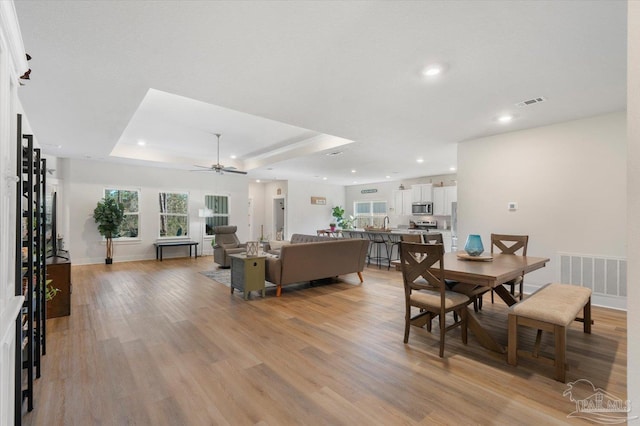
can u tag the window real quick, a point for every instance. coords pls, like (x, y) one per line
(129, 198)
(370, 213)
(174, 214)
(219, 204)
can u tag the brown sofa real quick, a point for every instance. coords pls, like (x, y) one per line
(295, 239)
(320, 258)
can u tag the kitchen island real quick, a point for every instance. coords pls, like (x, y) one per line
(393, 235)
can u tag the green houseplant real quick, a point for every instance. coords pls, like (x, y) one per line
(338, 213)
(109, 215)
(344, 223)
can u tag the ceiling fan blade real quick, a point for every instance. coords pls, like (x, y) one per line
(240, 172)
(203, 167)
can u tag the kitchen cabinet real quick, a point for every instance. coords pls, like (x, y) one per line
(443, 196)
(421, 192)
(402, 200)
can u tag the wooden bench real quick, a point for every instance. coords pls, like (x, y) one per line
(552, 308)
(162, 244)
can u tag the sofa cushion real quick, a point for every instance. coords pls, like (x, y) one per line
(302, 238)
(277, 245)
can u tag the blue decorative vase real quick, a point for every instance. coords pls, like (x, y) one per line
(474, 246)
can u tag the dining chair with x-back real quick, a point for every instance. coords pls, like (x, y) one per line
(511, 244)
(425, 290)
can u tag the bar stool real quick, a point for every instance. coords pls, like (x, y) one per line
(378, 241)
(394, 241)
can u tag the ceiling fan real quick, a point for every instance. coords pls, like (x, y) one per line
(218, 168)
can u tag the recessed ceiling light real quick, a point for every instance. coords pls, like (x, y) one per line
(420, 160)
(353, 171)
(355, 181)
(387, 176)
(232, 156)
(453, 169)
(505, 118)
(433, 70)
(141, 142)
(257, 180)
(324, 178)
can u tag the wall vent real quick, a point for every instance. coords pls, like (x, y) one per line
(605, 276)
(532, 101)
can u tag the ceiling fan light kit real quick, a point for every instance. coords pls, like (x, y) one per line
(219, 168)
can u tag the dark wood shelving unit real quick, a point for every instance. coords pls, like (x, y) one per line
(31, 268)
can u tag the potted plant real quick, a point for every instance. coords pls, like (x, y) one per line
(338, 213)
(348, 223)
(109, 215)
(332, 226)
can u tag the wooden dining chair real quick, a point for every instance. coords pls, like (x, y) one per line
(511, 244)
(425, 290)
(411, 238)
(435, 238)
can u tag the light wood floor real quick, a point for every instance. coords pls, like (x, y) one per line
(158, 343)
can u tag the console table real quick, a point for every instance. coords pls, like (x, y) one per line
(162, 244)
(59, 271)
(247, 273)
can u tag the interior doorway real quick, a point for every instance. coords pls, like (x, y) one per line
(279, 211)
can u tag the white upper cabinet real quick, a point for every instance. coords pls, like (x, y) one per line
(421, 192)
(402, 200)
(443, 196)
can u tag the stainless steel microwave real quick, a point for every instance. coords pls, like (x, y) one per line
(424, 208)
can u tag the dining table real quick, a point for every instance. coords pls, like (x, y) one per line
(489, 271)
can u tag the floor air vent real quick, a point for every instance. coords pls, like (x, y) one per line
(606, 276)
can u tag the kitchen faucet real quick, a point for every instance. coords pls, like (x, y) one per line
(385, 222)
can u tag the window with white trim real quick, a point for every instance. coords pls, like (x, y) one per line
(130, 200)
(174, 214)
(369, 213)
(219, 205)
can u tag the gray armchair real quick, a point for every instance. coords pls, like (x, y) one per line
(226, 243)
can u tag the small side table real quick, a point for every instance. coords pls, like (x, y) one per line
(247, 273)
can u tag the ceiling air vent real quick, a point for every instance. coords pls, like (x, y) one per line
(531, 101)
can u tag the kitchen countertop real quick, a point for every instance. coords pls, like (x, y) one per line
(402, 231)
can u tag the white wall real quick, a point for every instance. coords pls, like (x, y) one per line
(263, 195)
(306, 218)
(568, 179)
(84, 182)
(633, 225)
(256, 211)
(12, 65)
